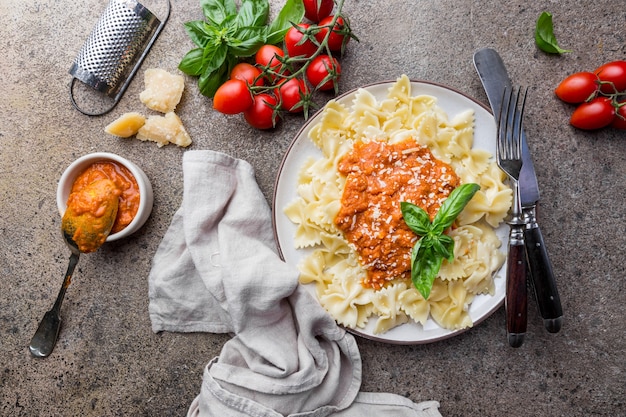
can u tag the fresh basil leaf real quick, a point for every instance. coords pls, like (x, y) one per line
(211, 80)
(228, 27)
(216, 11)
(416, 218)
(544, 35)
(191, 64)
(215, 57)
(215, 64)
(208, 83)
(292, 12)
(242, 34)
(452, 206)
(424, 270)
(198, 32)
(253, 13)
(254, 38)
(440, 249)
(415, 252)
(446, 243)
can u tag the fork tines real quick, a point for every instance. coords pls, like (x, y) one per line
(510, 126)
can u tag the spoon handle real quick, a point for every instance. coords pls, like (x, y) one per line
(45, 337)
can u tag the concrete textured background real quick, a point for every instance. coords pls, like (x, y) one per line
(108, 362)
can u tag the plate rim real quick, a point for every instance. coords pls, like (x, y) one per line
(293, 143)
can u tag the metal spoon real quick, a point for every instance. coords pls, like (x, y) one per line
(45, 337)
(95, 229)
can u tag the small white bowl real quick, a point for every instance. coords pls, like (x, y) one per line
(146, 196)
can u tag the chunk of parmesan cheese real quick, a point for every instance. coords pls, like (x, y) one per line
(164, 129)
(126, 125)
(162, 90)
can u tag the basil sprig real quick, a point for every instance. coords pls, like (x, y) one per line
(434, 246)
(228, 34)
(544, 35)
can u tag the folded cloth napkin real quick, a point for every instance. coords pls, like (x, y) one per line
(217, 270)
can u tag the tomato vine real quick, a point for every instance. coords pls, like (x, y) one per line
(319, 70)
(307, 62)
(600, 96)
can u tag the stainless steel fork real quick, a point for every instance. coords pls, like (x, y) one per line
(509, 158)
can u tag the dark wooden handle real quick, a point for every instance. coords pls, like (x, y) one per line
(543, 280)
(516, 301)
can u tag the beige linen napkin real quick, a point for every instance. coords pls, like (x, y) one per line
(217, 270)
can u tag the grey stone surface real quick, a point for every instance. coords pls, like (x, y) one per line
(108, 362)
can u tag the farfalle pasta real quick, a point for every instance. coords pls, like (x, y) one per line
(334, 265)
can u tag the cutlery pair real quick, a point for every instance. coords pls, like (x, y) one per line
(495, 79)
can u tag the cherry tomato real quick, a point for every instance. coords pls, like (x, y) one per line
(620, 122)
(321, 69)
(316, 10)
(232, 97)
(268, 56)
(336, 38)
(296, 45)
(248, 73)
(594, 114)
(614, 72)
(261, 114)
(292, 93)
(578, 87)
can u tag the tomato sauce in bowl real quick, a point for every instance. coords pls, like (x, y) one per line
(124, 181)
(136, 194)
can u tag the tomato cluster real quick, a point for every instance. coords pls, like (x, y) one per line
(285, 79)
(600, 96)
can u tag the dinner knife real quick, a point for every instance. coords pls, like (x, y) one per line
(494, 77)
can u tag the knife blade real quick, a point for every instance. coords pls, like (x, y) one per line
(495, 78)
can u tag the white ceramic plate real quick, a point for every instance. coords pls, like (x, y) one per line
(285, 191)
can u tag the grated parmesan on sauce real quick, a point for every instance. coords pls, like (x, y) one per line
(379, 176)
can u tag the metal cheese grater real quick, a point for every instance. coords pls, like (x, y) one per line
(114, 51)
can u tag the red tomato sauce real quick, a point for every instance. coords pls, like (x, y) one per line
(124, 181)
(379, 176)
